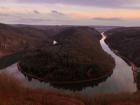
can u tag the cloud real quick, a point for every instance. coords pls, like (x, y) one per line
(57, 15)
(36, 12)
(98, 3)
(54, 12)
(53, 17)
(6, 0)
(95, 3)
(108, 19)
(3, 1)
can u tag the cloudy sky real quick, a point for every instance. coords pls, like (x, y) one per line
(71, 12)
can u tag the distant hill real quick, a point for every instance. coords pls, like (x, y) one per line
(105, 28)
(126, 41)
(77, 55)
(15, 38)
(78, 41)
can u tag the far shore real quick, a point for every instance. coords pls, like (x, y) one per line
(134, 67)
(66, 82)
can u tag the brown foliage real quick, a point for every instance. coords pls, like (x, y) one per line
(12, 92)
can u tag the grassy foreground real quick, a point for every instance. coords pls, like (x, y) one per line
(12, 92)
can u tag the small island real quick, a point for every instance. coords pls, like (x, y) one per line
(77, 57)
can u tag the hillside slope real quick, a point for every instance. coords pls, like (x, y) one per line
(126, 41)
(13, 92)
(14, 38)
(77, 56)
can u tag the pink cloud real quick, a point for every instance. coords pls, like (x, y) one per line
(98, 3)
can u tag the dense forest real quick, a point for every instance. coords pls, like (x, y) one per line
(76, 56)
(126, 41)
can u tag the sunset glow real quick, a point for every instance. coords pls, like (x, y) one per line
(63, 12)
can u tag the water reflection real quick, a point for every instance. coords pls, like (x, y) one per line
(136, 73)
(122, 79)
(114, 83)
(76, 86)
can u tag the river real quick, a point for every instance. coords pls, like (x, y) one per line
(122, 79)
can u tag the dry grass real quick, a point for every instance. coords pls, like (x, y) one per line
(113, 99)
(12, 92)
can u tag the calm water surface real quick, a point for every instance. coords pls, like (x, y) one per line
(121, 80)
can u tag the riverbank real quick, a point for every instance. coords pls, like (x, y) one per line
(127, 41)
(9, 59)
(12, 92)
(77, 58)
(130, 63)
(4, 54)
(100, 78)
